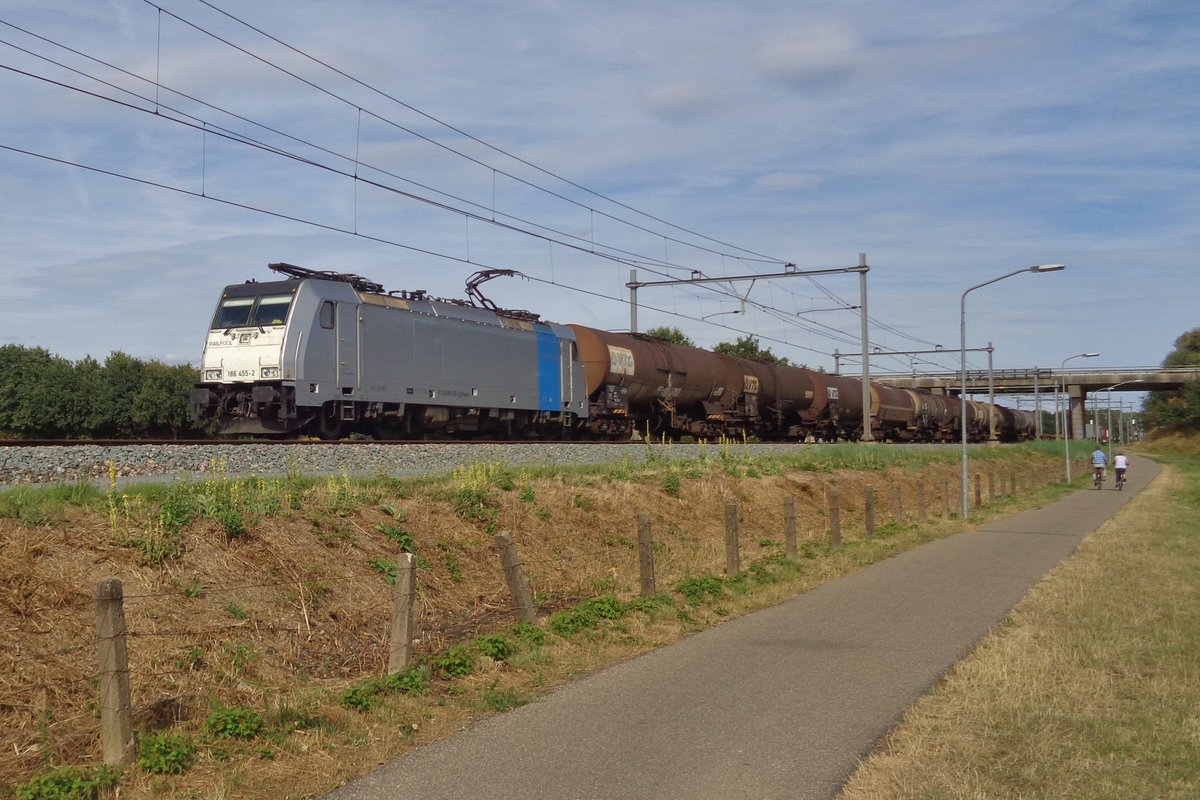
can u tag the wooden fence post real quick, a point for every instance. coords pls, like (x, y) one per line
(991, 487)
(869, 510)
(945, 496)
(646, 556)
(835, 516)
(733, 561)
(514, 576)
(978, 490)
(921, 500)
(897, 505)
(1012, 483)
(117, 741)
(789, 527)
(400, 639)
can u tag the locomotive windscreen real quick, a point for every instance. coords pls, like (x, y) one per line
(240, 312)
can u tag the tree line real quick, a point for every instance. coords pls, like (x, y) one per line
(45, 396)
(1179, 409)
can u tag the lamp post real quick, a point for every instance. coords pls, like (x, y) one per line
(1108, 405)
(962, 330)
(1067, 408)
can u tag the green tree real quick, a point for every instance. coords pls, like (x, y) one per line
(39, 394)
(671, 335)
(120, 380)
(160, 406)
(1179, 408)
(748, 347)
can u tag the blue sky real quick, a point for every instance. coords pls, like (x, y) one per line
(951, 142)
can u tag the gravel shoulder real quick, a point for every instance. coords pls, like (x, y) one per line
(135, 463)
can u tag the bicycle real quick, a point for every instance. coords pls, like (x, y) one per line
(1120, 480)
(1098, 477)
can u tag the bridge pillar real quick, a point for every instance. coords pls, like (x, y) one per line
(1077, 399)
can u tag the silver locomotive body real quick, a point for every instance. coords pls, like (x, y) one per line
(331, 354)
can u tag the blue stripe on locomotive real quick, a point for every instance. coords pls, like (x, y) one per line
(549, 368)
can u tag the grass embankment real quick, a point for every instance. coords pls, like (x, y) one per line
(1091, 689)
(259, 610)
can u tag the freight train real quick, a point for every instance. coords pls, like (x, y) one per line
(331, 354)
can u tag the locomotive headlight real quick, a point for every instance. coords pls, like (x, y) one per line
(212, 374)
(270, 372)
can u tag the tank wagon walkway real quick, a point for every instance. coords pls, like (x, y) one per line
(778, 704)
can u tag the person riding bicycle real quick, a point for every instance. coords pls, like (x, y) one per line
(1099, 460)
(1120, 464)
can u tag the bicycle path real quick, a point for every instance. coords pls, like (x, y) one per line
(782, 703)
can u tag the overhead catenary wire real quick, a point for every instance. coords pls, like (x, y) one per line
(472, 211)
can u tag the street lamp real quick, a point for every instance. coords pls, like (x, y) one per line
(1067, 408)
(962, 329)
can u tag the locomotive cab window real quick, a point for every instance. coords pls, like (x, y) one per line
(234, 312)
(271, 309)
(327, 317)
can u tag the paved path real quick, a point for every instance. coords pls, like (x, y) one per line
(778, 704)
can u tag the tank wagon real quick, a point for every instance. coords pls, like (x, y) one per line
(328, 354)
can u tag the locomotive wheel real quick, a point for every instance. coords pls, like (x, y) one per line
(329, 427)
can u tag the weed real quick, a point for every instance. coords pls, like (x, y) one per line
(586, 615)
(385, 568)
(164, 754)
(697, 589)
(240, 656)
(502, 699)
(495, 646)
(397, 535)
(395, 512)
(233, 723)
(543, 514)
(68, 783)
(363, 695)
(762, 574)
(671, 484)
(453, 567)
(527, 495)
(411, 680)
(195, 589)
(529, 633)
(154, 546)
(192, 658)
(649, 605)
(235, 611)
(583, 503)
(453, 662)
(338, 535)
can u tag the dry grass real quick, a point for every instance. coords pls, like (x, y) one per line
(1089, 690)
(283, 616)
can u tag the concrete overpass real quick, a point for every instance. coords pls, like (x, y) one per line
(1078, 383)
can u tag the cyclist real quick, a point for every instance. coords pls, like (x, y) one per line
(1120, 464)
(1099, 460)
